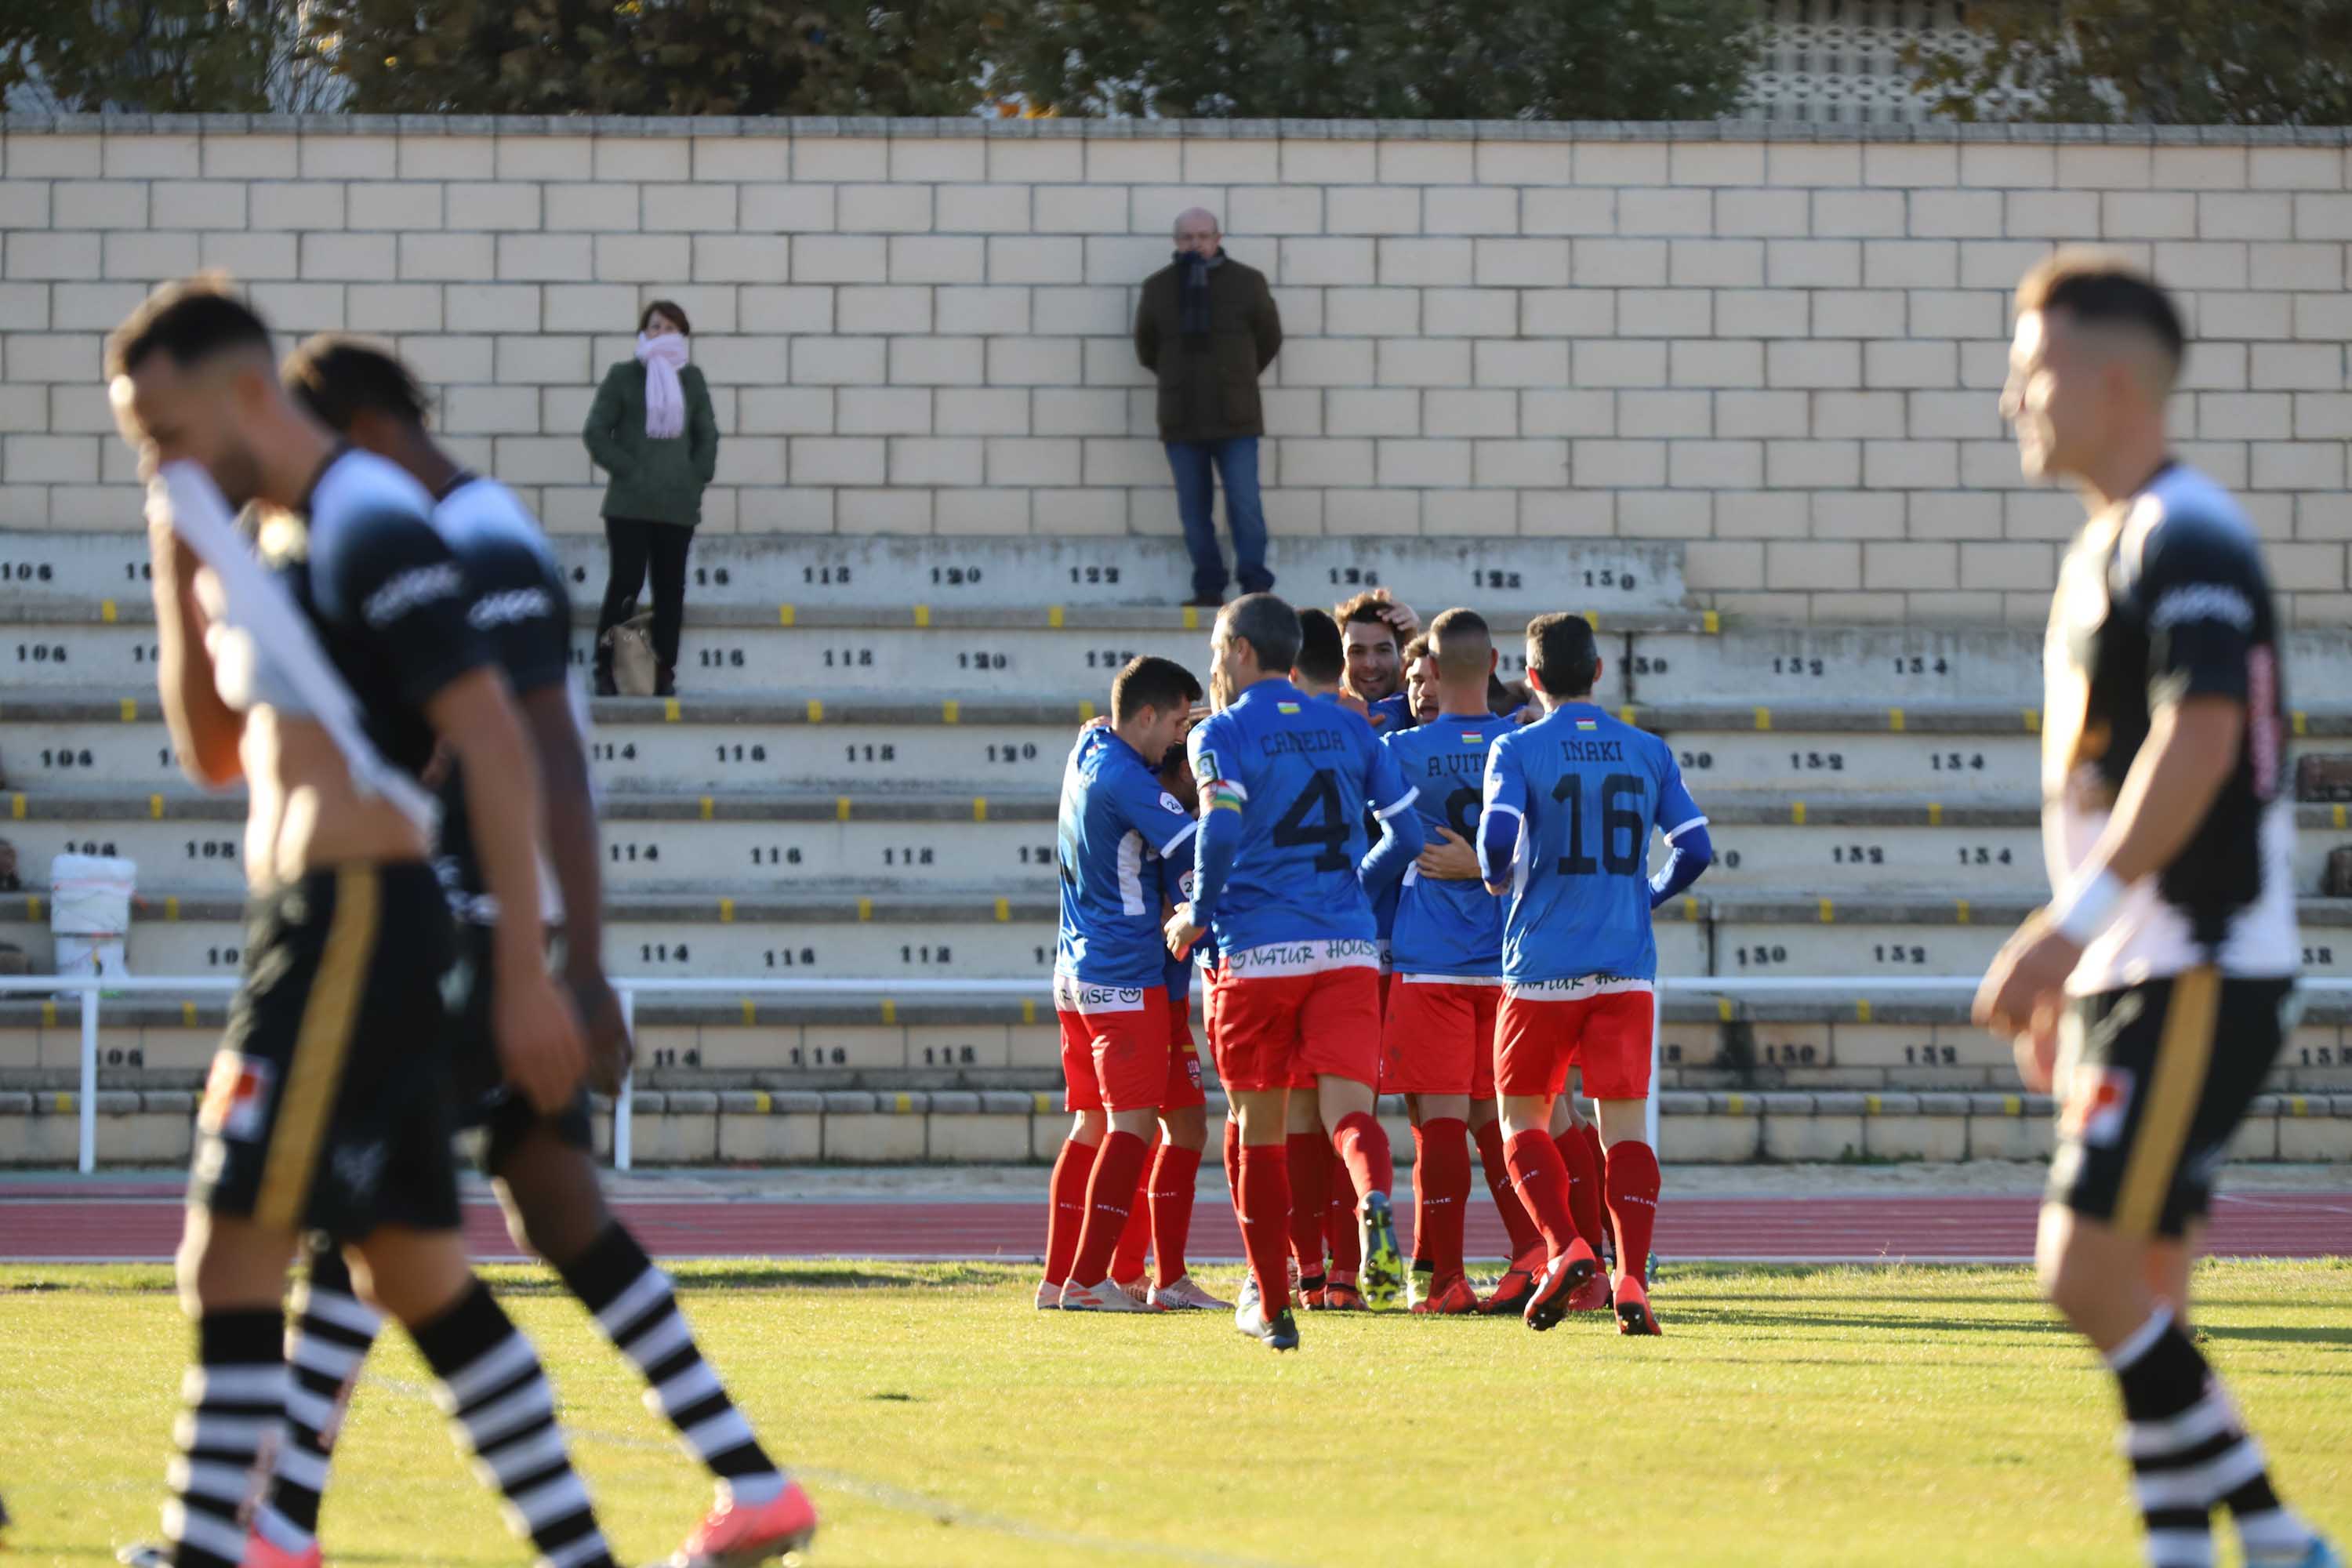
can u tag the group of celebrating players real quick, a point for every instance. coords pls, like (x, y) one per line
(1394, 877)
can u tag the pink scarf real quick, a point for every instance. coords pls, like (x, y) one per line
(662, 357)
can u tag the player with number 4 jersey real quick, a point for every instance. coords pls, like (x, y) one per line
(1570, 805)
(1280, 878)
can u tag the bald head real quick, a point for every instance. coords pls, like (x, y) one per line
(1196, 232)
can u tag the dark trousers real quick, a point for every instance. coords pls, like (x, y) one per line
(635, 544)
(1235, 462)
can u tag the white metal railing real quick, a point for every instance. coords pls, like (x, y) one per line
(91, 986)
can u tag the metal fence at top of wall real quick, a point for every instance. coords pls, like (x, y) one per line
(1778, 344)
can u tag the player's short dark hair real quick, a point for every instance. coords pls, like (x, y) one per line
(1561, 650)
(2098, 289)
(1368, 608)
(1151, 681)
(191, 320)
(1463, 634)
(339, 377)
(668, 308)
(1269, 626)
(1320, 657)
(1414, 650)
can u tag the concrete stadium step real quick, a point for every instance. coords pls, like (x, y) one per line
(1512, 576)
(968, 1126)
(770, 842)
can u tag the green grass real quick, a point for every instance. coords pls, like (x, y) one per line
(1916, 1416)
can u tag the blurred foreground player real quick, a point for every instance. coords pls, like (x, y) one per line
(1570, 805)
(1281, 873)
(321, 674)
(1110, 990)
(2155, 991)
(543, 1165)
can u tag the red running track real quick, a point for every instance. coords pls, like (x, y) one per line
(59, 1223)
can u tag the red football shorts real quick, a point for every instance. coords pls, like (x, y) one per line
(1183, 1090)
(1114, 1045)
(1439, 1037)
(1282, 1031)
(1543, 1030)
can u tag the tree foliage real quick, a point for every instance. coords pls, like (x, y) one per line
(661, 56)
(1444, 59)
(155, 57)
(2167, 62)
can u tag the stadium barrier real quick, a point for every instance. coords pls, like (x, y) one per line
(92, 989)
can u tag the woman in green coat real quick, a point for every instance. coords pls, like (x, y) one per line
(651, 428)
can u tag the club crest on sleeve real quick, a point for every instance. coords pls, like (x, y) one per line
(236, 1097)
(1204, 766)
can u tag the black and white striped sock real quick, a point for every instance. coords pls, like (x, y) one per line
(493, 1386)
(637, 1311)
(236, 1397)
(324, 1350)
(2190, 1452)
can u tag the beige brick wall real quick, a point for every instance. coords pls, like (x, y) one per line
(1778, 345)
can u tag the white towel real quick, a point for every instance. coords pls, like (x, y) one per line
(185, 494)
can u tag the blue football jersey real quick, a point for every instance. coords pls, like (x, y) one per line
(1116, 821)
(1176, 888)
(1391, 715)
(1446, 927)
(1303, 772)
(1587, 790)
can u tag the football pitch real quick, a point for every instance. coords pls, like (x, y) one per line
(1908, 1415)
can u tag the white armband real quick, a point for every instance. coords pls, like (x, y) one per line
(2088, 903)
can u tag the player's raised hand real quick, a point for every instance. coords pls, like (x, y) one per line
(1448, 856)
(1180, 933)
(539, 1037)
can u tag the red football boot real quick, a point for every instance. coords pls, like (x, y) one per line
(1456, 1301)
(738, 1535)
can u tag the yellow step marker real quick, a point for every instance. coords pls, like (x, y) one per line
(155, 808)
(1710, 623)
(32, 907)
(726, 911)
(1192, 618)
(889, 1011)
(1593, 620)
(816, 710)
(1935, 813)
(1625, 714)
(784, 615)
(1894, 720)
(1054, 617)
(1028, 1009)
(1763, 718)
(1723, 1008)
(188, 1013)
(865, 908)
(764, 1101)
(1861, 1012)
(1045, 1104)
(16, 806)
(1735, 1103)
(2297, 718)
(171, 907)
(2011, 1105)
(841, 808)
(1797, 812)
(1870, 1104)
(2295, 1105)
(979, 808)
(751, 1010)
(1829, 913)
(1086, 711)
(951, 711)
(906, 1102)
(709, 807)
(106, 611)
(2339, 816)
(130, 709)
(48, 1013)
(2034, 720)
(1961, 912)
(923, 616)
(65, 1104)
(669, 710)
(1690, 906)
(1004, 909)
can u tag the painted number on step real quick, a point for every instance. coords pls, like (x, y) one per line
(791, 957)
(40, 653)
(1084, 575)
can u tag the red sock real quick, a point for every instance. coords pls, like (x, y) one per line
(1516, 1219)
(1310, 1186)
(1265, 1220)
(1542, 1183)
(1364, 1146)
(1633, 1205)
(1110, 1195)
(1073, 1167)
(1126, 1257)
(1583, 1186)
(1175, 1172)
(1446, 1196)
(1339, 1221)
(1420, 1198)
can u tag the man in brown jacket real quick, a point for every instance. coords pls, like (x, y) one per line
(1207, 326)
